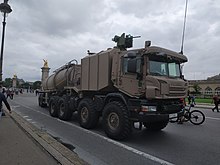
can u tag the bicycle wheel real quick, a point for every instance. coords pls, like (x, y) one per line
(196, 117)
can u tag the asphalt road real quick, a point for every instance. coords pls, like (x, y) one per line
(185, 144)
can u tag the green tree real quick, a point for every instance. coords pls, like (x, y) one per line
(196, 89)
(25, 85)
(37, 85)
(7, 83)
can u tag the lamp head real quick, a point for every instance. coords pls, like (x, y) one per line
(5, 7)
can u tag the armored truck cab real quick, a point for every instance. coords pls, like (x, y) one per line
(145, 85)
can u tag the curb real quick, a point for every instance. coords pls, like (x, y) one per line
(57, 150)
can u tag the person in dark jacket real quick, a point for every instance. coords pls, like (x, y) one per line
(189, 99)
(216, 102)
(3, 99)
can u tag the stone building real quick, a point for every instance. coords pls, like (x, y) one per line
(208, 87)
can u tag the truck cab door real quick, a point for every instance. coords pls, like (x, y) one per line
(129, 79)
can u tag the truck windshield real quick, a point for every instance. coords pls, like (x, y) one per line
(170, 69)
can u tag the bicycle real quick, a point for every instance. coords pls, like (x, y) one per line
(196, 117)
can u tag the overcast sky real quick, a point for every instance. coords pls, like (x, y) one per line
(62, 30)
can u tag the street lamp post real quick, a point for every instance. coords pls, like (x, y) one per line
(5, 8)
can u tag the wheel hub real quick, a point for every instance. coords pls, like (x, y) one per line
(62, 109)
(113, 121)
(52, 108)
(84, 114)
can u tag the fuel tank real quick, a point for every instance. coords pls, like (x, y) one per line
(66, 76)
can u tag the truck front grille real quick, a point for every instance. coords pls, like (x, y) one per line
(177, 91)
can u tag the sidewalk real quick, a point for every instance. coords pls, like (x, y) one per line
(22, 143)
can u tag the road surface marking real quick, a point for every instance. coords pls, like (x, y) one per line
(148, 156)
(213, 118)
(15, 106)
(32, 109)
(145, 155)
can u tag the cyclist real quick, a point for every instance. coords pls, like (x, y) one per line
(181, 114)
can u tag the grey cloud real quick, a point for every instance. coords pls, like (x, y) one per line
(62, 30)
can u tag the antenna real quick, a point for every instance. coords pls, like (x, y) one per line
(184, 27)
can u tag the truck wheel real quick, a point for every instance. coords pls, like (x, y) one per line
(41, 101)
(115, 121)
(53, 108)
(64, 112)
(156, 126)
(88, 116)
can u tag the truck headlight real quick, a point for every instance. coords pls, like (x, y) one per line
(145, 108)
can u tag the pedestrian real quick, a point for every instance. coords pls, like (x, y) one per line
(215, 99)
(36, 92)
(193, 100)
(189, 99)
(11, 94)
(8, 92)
(3, 90)
(3, 99)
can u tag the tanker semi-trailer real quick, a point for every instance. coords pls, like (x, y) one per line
(122, 86)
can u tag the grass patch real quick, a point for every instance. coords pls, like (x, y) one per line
(203, 100)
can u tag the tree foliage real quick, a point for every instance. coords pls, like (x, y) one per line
(7, 83)
(26, 85)
(36, 85)
(197, 89)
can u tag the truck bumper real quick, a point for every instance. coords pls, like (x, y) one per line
(144, 117)
(154, 110)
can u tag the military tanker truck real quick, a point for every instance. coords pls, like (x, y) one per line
(120, 86)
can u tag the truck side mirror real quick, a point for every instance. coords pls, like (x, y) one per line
(182, 77)
(139, 63)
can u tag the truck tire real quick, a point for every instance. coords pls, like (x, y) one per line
(116, 122)
(64, 112)
(87, 114)
(53, 107)
(41, 101)
(156, 126)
